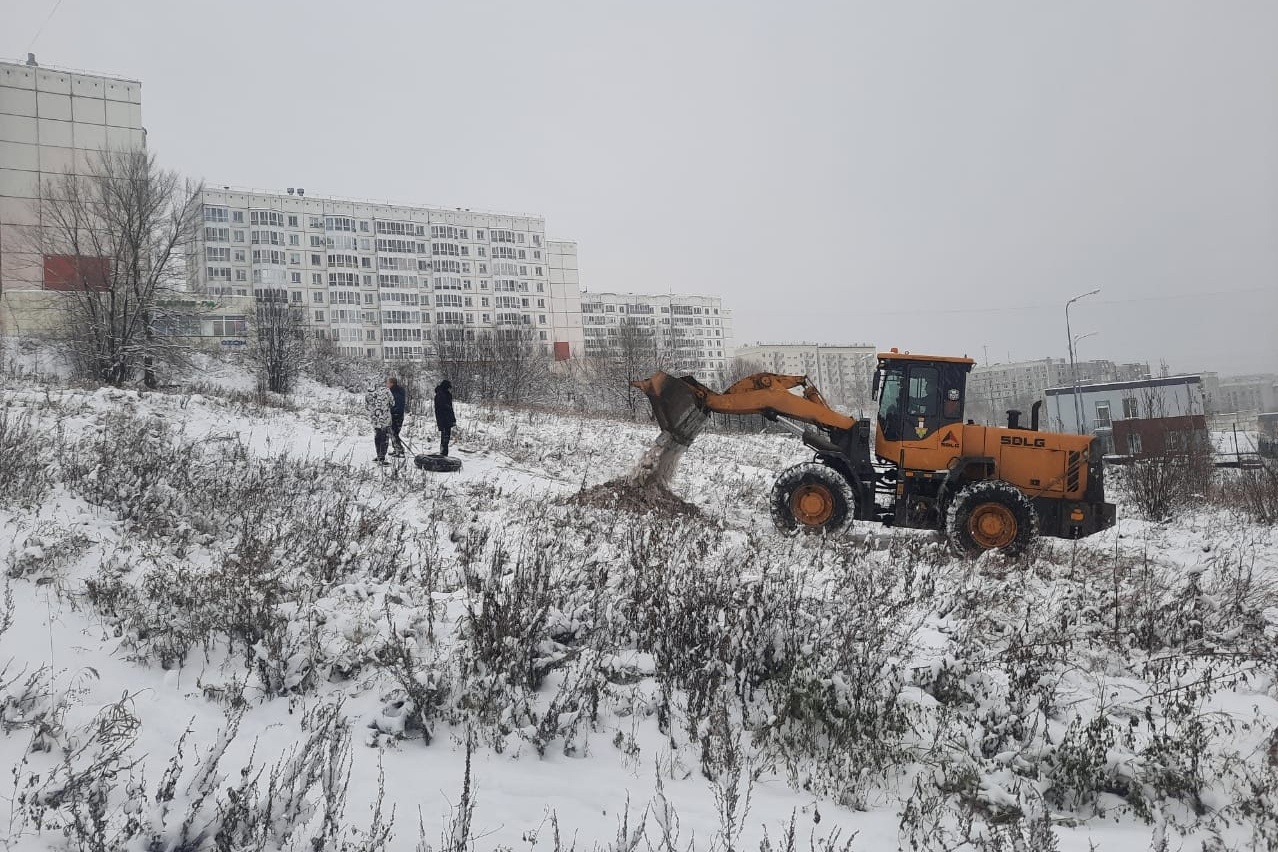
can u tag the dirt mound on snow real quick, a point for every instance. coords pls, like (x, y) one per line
(625, 495)
(647, 488)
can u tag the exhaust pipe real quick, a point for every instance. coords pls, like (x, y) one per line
(1038, 403)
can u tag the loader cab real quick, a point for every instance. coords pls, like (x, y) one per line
(918, 395)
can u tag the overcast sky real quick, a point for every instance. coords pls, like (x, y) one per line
(940, 177)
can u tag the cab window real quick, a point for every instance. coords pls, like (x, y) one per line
(924, 392)
(890, 405)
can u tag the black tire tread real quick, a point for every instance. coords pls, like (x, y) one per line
(792, 478)
(438, 464)
(987, 491)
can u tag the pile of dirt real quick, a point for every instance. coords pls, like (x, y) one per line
(647, 488)
(657, 466)
(626, 495)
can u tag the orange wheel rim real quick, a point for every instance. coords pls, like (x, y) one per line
(992, 525)
(813, 505)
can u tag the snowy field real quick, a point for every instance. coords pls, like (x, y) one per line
(225, 628)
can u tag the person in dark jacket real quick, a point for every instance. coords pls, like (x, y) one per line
(398, 401)
(444, 417)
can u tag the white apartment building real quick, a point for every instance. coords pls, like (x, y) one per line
(389, 281)
(51, 121)
(994, 388)
(565, 300)
(1257, 393)
(694, 333)
(843, 373)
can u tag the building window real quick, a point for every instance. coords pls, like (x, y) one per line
(1133, 443)
(1102, 416)
(1131, 408)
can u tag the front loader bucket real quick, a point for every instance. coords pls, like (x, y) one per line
(677, 407)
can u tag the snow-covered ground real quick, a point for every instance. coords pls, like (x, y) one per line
(189, 564)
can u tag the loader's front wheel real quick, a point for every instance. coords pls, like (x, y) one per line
(811, 497)
(991, 515)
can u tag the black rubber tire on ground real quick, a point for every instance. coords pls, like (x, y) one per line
(812, 497)
(438, 464)
(991, 515)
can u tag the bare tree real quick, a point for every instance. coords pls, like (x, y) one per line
(505, 365)
(1174, 465)
(456, 354)
(739, 368)
(634, 352)
(113, 239)
(523, 365)
(280, 350)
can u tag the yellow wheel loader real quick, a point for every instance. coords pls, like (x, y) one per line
(986, 487)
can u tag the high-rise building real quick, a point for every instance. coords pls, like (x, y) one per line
(387, 280)
(843, 373)
(52, 121)
(690, 334)
(565, 300)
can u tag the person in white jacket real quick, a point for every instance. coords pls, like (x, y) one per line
(378, 402)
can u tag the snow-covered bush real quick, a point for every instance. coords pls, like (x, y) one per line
(1254, 491)
(24, 475)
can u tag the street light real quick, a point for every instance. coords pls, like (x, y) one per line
(1078, 405)
(1079, 337)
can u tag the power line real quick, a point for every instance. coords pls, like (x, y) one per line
(1049, 305)
(36, 37)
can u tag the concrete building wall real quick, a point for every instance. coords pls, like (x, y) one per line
(565, 299)
(51, 121)
(383, 281)
(1247, 394)
(1103, 404)
(695, 332)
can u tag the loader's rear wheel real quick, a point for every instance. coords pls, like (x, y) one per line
(813, 498)
(991, 515)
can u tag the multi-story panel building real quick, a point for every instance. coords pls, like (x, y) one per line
(382, 280)
(1247, 394)
(843, 373)
(993, 389)
(690, 334)
(565, 300)
(51, 122)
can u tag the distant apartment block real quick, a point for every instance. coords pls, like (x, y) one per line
(994, 388)
(843, 373)
(693, 333)
(1245, 394)
(51, 121)
(389, 281)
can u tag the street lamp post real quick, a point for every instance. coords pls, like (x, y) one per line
(1073, 369)
(1079, 337)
